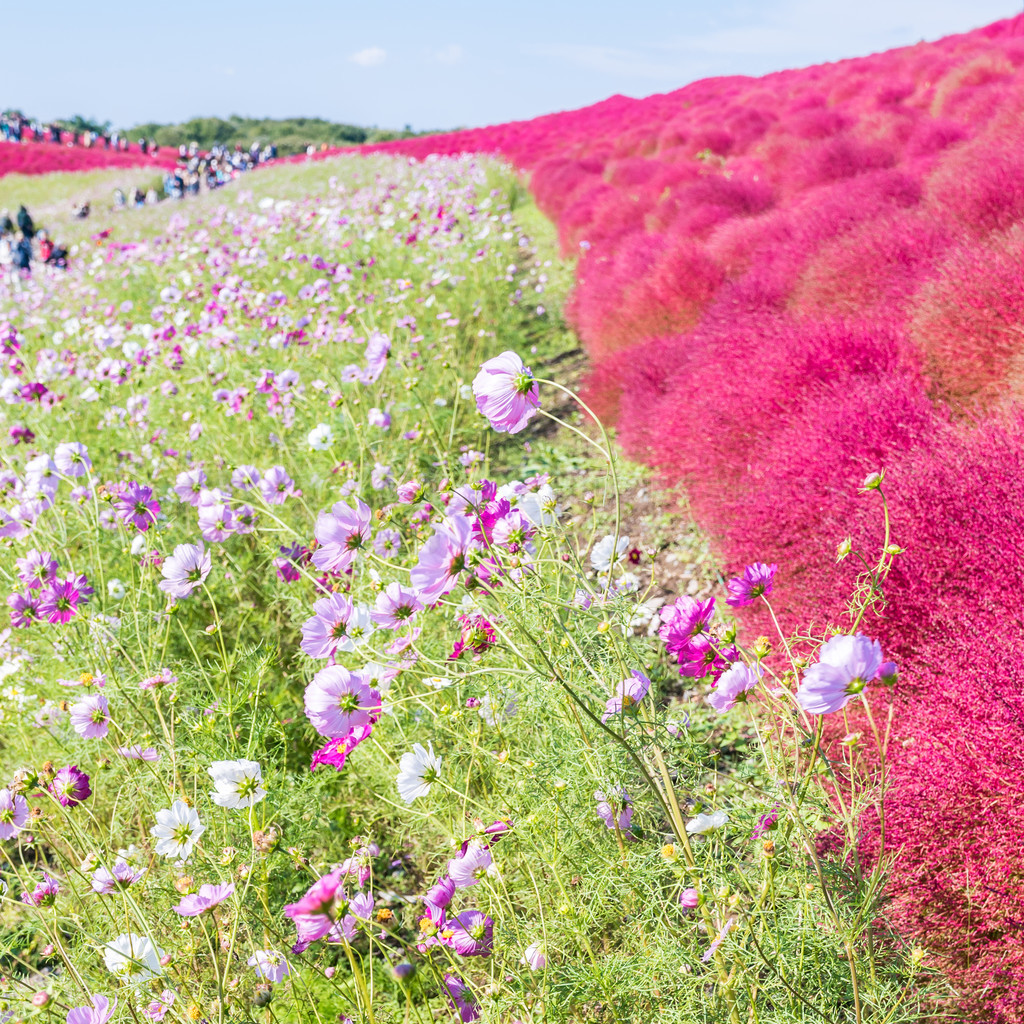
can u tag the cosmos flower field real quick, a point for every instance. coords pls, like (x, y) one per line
(335, 685)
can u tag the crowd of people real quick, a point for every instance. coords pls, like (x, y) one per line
(15, 127)
(22, 244)
(197, 172)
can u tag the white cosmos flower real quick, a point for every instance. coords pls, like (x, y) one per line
(357, 629)
(320, 438)
(239, 783)
(540, 506)
(133, 958)
(177, 830)
(707, 822)
(601, 557)
(115, 588)
(418, 771)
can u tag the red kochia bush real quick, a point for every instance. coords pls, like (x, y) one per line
(47, 157)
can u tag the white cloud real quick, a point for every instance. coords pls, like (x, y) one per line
(451, 54)
(370, 57)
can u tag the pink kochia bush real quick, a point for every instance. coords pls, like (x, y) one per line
(790, 282)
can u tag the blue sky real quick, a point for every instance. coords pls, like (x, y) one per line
(442, 64)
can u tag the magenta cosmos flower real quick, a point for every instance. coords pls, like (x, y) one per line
(461, 998)
(58, 600)
(70, 786)
(506, 392)
(335, 752)
(136, 506)
(90, 717)
(733, 687)
(314, 915)
(196, 903)
(470, 933)
(755, 582)
(338, 701)
(628, 694)
(846, 664)
(341, 533)
(685, 621)
(185, 570)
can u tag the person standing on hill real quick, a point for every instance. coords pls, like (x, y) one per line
(25, 225)
(6, 224)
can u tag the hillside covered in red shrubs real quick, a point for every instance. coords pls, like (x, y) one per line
(47, 157)
(786, 283)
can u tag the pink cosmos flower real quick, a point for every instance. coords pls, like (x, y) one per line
(335, 752)
(70, 786)
(846, 664)
(276, 486)
(216, 522)
(24, 609)
(90, 717)
(615, 808)
(188, 485)
(628, 694)
(314, 915)
(100, 1012)
(756, 581)
(470, 933)
(13, 813)
(58, 600)
(185, 570)
(207, 898)
(396, 606)
(684, 621)
(72, 459)
(461, 998)
(123, 874)
(158, 1007)
(269, 964)
(137, 752)
(322, 633)
(136, 506)
(438, 897)
(341, 533)
(733, 687)
(689, 899)
(44, 894)
(387, 543)
(471, 865)
(338, 701)
(506, 392)
(36, 569)
(410, 492)
(443, 558)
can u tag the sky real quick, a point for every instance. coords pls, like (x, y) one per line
(445, 64)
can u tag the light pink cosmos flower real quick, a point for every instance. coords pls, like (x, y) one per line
(396, 605)
(121, 876)
(471, 865)
(158, 1008)
(137, 752)
(443, 558)
(100, 1012)
(91, 716)
(72, 459)
(338, 701)
(13, 813)
(733, 687)
(216, 523)
(846, 664)
(185, 570)
(628, 694)
(269, 964)
(196, 903)
(506, 392)
(322, 633)
(341, 533)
